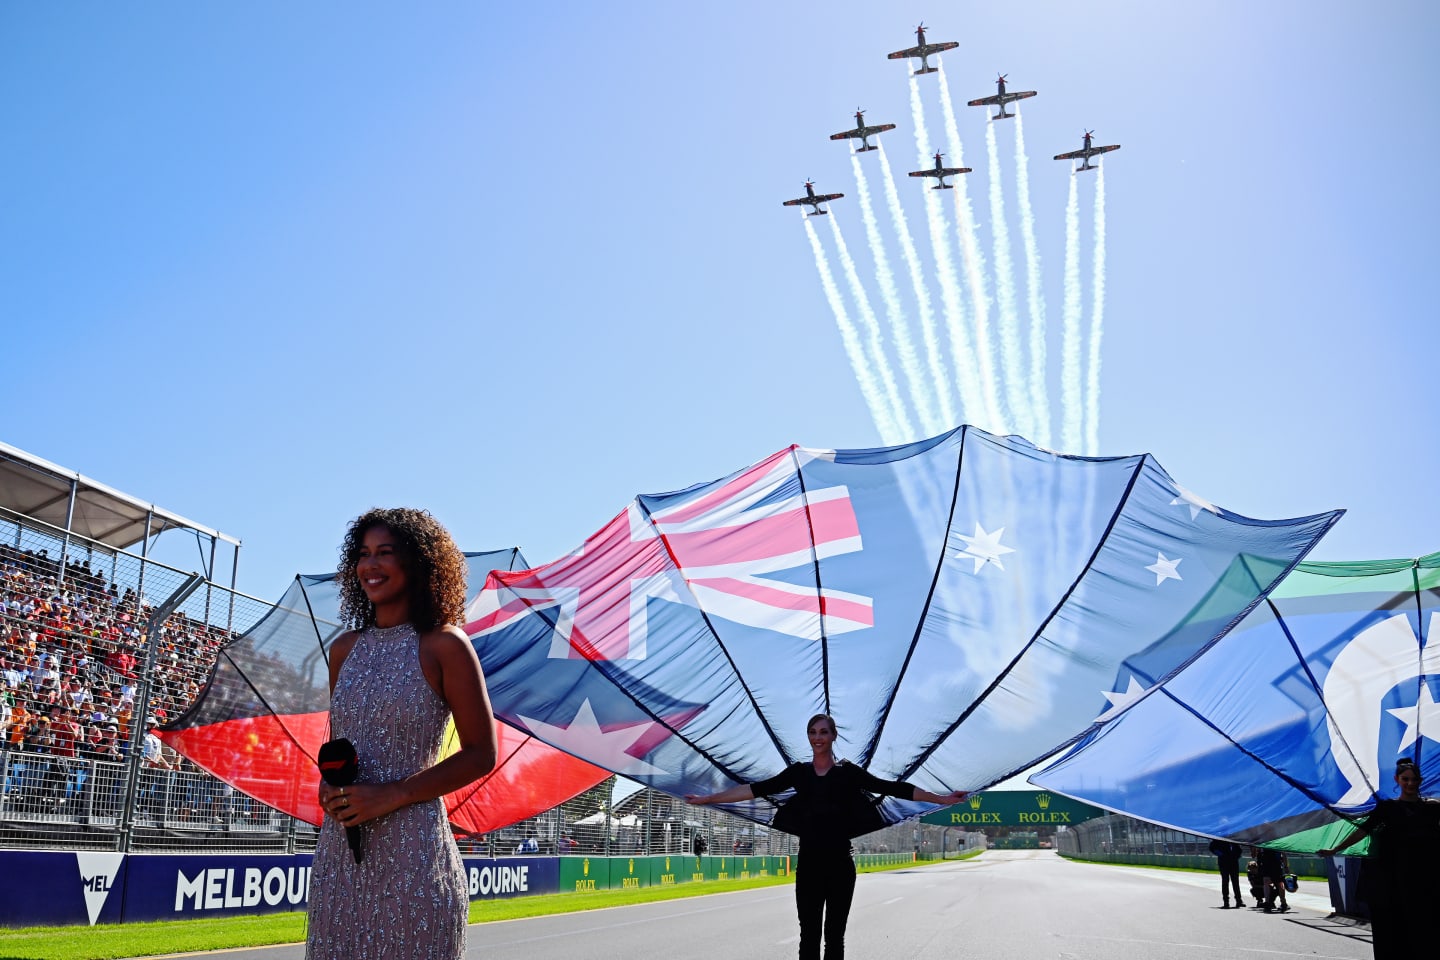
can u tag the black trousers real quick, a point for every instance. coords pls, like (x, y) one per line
(1230, 874)
(824, 887)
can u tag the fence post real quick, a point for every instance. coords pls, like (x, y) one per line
(141, 710)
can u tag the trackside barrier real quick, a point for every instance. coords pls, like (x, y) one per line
(585, 874)
(1300, 866)
(49, 888)
(55, 888)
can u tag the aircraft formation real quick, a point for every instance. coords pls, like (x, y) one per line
(862, 131)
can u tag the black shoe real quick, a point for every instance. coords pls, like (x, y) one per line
(1239, 904)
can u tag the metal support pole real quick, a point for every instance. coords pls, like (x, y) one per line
(141, 709)
(69, 521)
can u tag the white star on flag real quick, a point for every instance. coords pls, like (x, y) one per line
(984, 548)
(1196, 503)
(1164, 569)
(604, 748)
(1423, 719)
(1120, 699)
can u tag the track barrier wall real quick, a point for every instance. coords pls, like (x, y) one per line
(50, 888)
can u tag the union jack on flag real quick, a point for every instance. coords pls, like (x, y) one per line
(714, 552)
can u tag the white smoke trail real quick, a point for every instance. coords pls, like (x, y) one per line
(972, 261)
(894, 312)
(1071, 401)
(939, 382)
(971, 399)
(898, 417)
(1035, 291)
(1097, 321)
(1016, 401)
(864, 376)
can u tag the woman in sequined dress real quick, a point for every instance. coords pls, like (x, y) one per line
(394, 682)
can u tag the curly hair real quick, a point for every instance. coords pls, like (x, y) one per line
(435, 569)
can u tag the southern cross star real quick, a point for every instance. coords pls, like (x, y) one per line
(1164, 568)
(984, 547)
(1195, 503)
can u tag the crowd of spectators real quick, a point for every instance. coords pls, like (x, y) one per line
(71, 649)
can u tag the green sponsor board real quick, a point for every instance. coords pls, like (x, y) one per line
(668, 871)
(580, 874)
(1014, 808)
(629, 873)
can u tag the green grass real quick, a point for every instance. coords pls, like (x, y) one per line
(112, 941)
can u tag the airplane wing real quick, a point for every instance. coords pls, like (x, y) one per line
(993, 101)
(818, 198)
(849, 134)
(1095, 150)
(1022, 95)
(952, 171)
(878, 128)
(1072, 155)
(904, 54)
(932, 172)
(942, 46)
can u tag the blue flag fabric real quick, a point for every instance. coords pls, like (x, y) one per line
(1293, 720)
(963, 606)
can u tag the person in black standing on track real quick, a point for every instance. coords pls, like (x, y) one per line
(1400, 885)
(1227, 857)
(827, 792)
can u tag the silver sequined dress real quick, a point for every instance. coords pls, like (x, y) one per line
(407, 900)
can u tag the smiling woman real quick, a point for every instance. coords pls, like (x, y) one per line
(395, 681)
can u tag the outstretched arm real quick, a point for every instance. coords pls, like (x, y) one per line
(943, 799)
(1348, 842)
(733, 795)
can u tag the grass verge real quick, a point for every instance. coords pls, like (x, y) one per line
(115, 941)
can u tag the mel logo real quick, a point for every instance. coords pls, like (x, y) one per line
(97, 876)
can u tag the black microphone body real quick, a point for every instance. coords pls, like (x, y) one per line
(339, 766)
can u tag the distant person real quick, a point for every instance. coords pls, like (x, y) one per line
(1227, 856)
(700, 845)
(1399, 885)
(824, 790)
(395, 682)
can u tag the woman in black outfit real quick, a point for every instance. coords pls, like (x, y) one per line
(1399, 884)
(828, 794)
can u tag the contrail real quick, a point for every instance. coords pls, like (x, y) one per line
(1035, 290)
(1070, 338)
(894, 313)
(1016, 401)
(938, 380)
(864, 376)
(972, 261)
(1097, 321)
(971, 398)
(874, 347)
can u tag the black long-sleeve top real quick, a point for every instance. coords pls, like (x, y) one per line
(828, 803)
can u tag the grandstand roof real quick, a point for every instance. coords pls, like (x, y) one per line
(40, 489)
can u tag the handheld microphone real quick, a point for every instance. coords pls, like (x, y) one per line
(339, 766)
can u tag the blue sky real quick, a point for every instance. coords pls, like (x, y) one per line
(268, 265)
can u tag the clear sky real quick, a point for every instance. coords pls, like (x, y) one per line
(270, 264)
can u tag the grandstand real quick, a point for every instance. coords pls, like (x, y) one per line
(102, 643)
